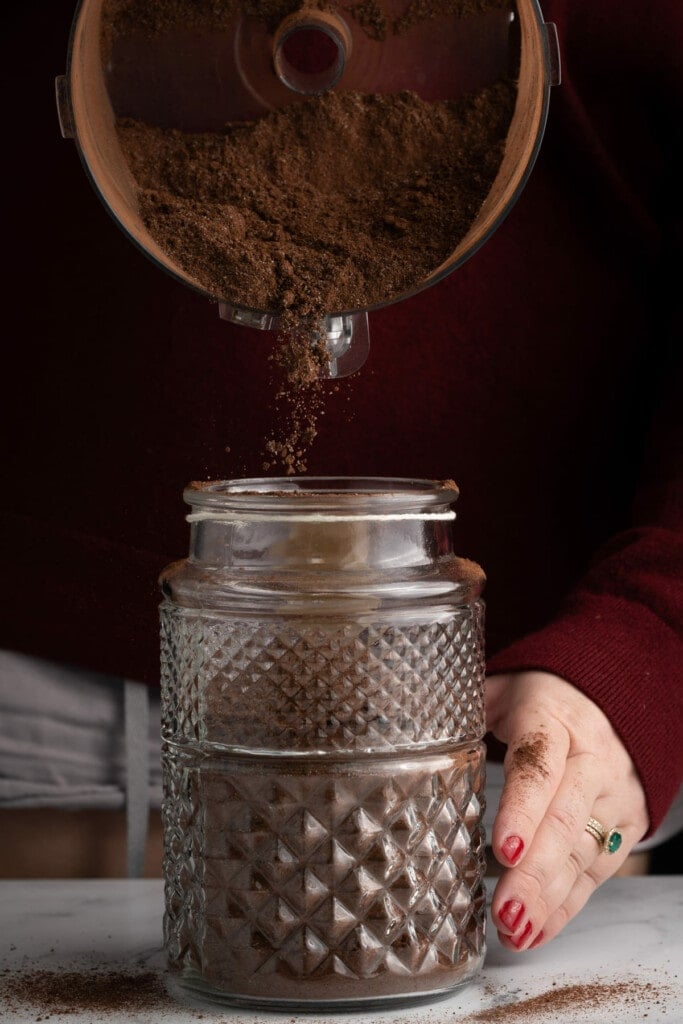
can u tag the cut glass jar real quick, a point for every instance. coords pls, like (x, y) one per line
(322, 689)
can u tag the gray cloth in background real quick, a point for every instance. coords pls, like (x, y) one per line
(62, 737)
(62, 743)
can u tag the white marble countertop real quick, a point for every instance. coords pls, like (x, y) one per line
(632, 930)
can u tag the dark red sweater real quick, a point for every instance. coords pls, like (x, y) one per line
(541, 376)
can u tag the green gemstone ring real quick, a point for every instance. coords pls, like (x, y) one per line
(609, 839)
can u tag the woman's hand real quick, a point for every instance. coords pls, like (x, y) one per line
(564, 765)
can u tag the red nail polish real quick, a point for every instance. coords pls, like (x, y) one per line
(521, 939)
(511, 913)
(537, 941)
(512, 848)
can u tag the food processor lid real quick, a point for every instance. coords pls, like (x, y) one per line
(199, 77)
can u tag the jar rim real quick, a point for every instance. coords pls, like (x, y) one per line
(355, 495)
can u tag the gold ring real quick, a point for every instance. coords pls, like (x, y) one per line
(608, 839)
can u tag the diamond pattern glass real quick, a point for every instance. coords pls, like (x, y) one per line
(290, 686)
(356, 882)
(335, 861)
(322, 722)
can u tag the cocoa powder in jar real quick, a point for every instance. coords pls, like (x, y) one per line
(332, 881)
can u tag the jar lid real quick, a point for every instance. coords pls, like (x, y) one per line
(333, 499)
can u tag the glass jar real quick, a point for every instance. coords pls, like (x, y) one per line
(322, 694)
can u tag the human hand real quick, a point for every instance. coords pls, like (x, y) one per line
(564, 764)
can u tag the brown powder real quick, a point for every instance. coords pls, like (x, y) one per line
(209, 485)
(470, 576)
(298, 408)
(153, 17)
(528, 760)
(280, 214)
(588, 997)
(299, 361)
(371, 18)
(339, 202)
(308, 943)
(448, 485)
(418, 11)
(63, 993)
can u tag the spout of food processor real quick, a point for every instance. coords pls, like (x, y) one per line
(345, 336)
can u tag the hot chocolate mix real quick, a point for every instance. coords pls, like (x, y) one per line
(338, 202)
(91, 994)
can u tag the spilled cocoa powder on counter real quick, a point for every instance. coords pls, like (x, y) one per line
(70, 992)
(578, 998)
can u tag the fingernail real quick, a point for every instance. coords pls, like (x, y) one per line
(519, 942)
(538, 940)
(511, 913)
(512, 848)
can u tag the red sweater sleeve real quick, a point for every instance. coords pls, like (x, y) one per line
(618, 634)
